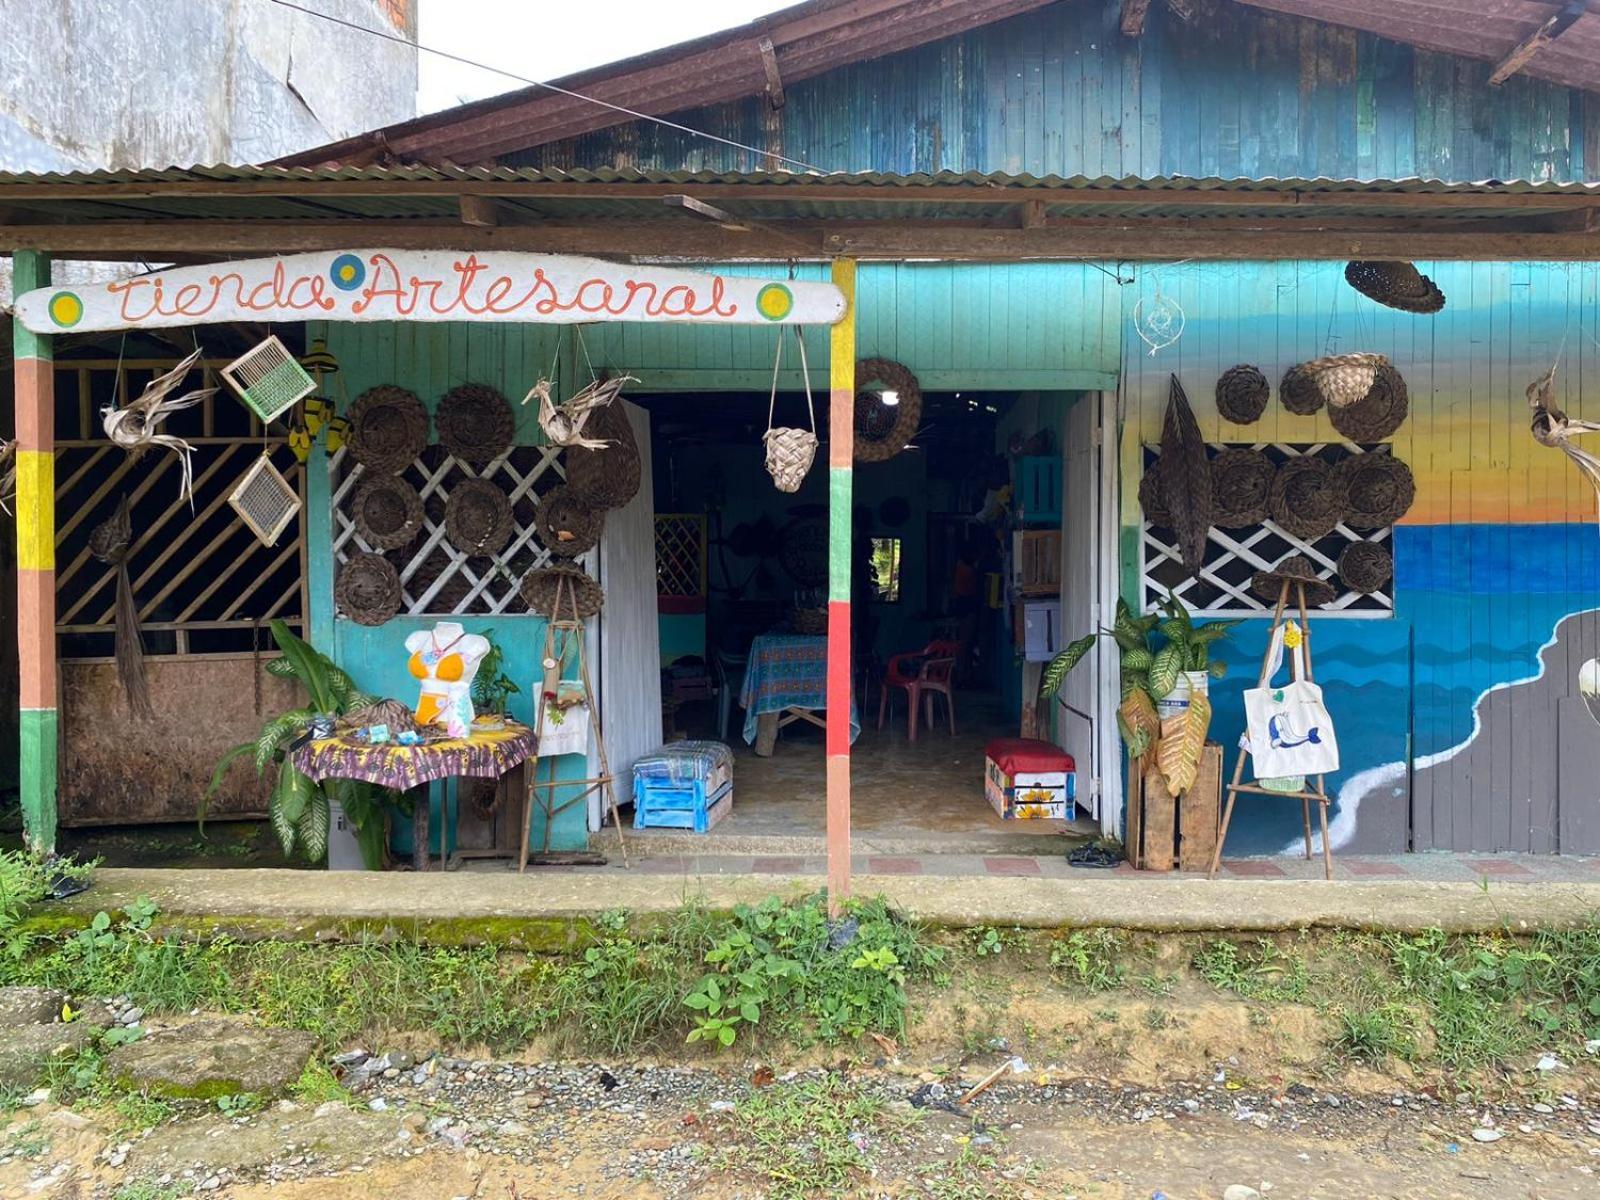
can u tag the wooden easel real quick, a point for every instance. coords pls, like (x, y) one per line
(1320, 794)
(569, 631)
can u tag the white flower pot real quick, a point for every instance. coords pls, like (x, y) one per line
(1176, 702)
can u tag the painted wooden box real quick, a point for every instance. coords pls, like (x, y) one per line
(1027, 779)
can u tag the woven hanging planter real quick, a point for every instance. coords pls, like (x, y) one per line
(475, 423)
(388, 429)
(539, 590)
(1295, 570)
(1242, 394)
(606, 478)
(1241, 481)
(1307, 499)
(1365, 567)
(566, 523)
(878, 439)
(1151, 498)
(1377, 414)
(1344, 378)
(1299, 393)
(368, 589)
(477, 517)
(790, 451)
(1395, 284)
(1379, 490)
(387, 512)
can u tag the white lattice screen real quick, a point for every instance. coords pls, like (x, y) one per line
(1233, 556)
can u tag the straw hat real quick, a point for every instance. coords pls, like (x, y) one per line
(477, 517)
(1377, 414)
(1365, 567)
(1395, 284)
(1378, 488)
(388, 428)
(609, 477)
(1307, 498)
(368, 589)
(1298, 392)
(1242, 394)
(1297, 571)
(387, 511)
(1241, 482)
(475, 423)
(539, 590)
(566, 522)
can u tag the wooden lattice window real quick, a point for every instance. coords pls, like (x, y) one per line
(435, 577)
(1233, 556)
(680, 554)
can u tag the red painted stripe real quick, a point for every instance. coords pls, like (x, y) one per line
(36, 409)
(839, 678)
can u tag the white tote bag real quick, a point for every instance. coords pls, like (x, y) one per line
(1289, 727)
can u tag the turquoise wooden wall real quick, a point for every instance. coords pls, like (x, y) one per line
(1235, 92)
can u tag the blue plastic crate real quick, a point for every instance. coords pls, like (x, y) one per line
(661, 805)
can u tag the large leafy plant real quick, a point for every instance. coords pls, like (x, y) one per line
(298, 807)
(1156, 650)
(492, 687)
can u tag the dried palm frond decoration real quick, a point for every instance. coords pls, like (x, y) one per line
(1395, 284)
(137, 425)
(1553, 428)
(563, 423)
(1186, 478)
(110, 542)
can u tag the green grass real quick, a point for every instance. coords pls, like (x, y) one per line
(1377, 1033)
(149, 1189)
(1089, 958)
(317, 1086)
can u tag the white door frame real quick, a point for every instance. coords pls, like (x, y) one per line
(1108, 570)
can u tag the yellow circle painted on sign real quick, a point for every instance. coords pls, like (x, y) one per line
(775, 302)
(66, 310)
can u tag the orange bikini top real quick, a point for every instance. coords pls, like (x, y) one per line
(449, 670)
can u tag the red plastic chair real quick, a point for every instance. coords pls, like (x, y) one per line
(922, 675)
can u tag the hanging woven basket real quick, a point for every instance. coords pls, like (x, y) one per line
(1365, 567)
(1151, 497)
(477, 517)
(790, 451)
(388, 429)
(475, 423)
(1396, 285)
(1343, 378)
(387, 511)
(1297, 571)
(368, 589)
(880, 438)
(1307, 499)
(1379, 489)
(566, 523)
(1376, 415)
(610, 477)
(1241, 482)
(577, 590)
(1242, 394)
(1299, 393)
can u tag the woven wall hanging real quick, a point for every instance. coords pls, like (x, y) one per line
(1307, 498)
(566, 523)
(269, 379)
(1379, 490)
(883, 430)
(1299, 393)
(265, 501)
(1365, 567)
(477, 517)
(475, 423)
(1151, 499)
(368, 589)
(1377, 414)
(387, 511)
(1241, 482)
(1343, 378)
(1185, 478)
(110, 542)
(539, 589)
(610, 477)
(388, 428)
(1242, 394)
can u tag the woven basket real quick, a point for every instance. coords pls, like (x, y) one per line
(809, 620)
(1344, 378)
(1242, 394)
(1299, 393)
(566, 523)
(874, 443)
(790, 453)
(1307, 499)
(387, 511)
(1365, 567)
(1297, 569)
(1241, 482)
(607, 478)
(1395, 284)
(1379, 490)
(539, 588)
(368, 589)
(1151, 498)
(1377, 414)
(475, 423)
(392, 713)
(477, 517)
(388, 429)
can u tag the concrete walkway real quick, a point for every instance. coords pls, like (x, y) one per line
(318, 902)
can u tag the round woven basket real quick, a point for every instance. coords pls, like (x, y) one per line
(1151, 499)
(477, 517)
(1307, 499)
(368, 589)
(1365, 567)
(877, 441)
(1377, 414)
(1241, 482)
(1344, 378)
(790, 452)
(1395, 284)
(1299, 393)
(539, 588)
(1379, 490)
(1297, 569)
(475, 423)
(1242, 394)
(388, 428)
(387, 511)
(607, 478)
(566, 523)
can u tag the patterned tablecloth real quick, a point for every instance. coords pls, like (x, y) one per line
(391, 765)
(787, 670)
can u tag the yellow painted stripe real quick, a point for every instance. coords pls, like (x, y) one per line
(36, 510)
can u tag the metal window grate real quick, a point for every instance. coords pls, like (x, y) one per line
(269, 379)
(680, 554)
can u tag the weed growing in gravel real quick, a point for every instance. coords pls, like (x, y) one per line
(1376, 1033)
(137, 1111)
(1088, 958)
(1262, 971)
(149, 1189)
(317, 1086)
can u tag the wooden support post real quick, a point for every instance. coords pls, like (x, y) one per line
(36, 563)
(841, 465)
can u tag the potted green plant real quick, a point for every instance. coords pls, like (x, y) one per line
(492, 687)
(1166, 669)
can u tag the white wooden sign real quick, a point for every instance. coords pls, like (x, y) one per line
(427, 285)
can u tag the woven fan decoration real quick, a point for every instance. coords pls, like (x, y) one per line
(1343, 378)
(265, 501)
(269, 379)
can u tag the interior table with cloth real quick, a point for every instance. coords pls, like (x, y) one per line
(786, 680)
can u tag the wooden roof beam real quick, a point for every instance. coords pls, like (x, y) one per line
(769, 64)
(1524, 52)
(1133, 14)
(483, 211)
(710, 212)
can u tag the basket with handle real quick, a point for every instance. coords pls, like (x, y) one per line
(790, 451)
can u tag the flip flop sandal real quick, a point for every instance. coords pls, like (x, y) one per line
(1093, 857)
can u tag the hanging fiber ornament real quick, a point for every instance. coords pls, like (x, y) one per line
(790, 451)
(563, 423)
(1159, 322)
(138, 425)
(110, 542)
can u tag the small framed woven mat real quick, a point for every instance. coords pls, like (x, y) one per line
(539, 589)
(1379, 489)
(882, 430)
(368, 589)
(1296, 570)
(606, 478)
(1241, 482)
(1377, 414)
(388, 428)
(1365, 567)
(477, 517)
(567, 524)
(475, 423)
(1242, 394)
(1395, 284)
(387, 511)
(1307, 498)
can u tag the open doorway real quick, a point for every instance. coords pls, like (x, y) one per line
(957, 555)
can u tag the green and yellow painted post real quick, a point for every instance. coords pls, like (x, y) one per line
(841, 465)
(36, 562)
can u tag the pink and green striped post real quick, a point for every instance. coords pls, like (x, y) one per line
(841, 465)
